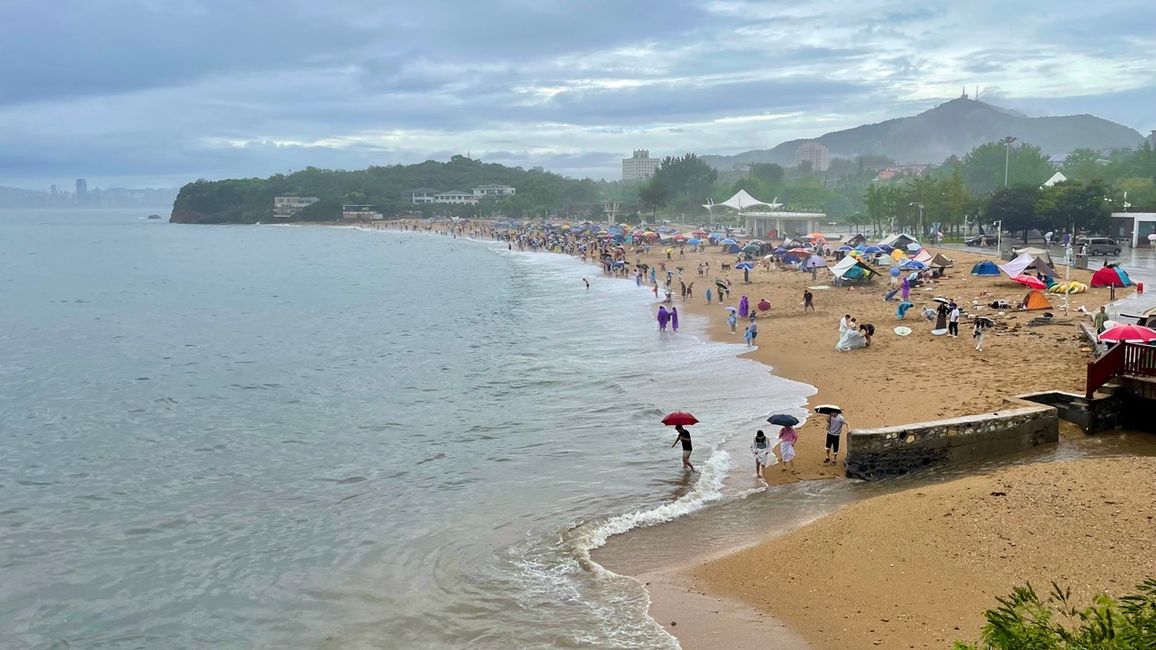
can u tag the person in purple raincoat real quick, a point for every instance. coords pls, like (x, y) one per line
(744, 307)
(906, 288)
(674, 318)
(663, 318)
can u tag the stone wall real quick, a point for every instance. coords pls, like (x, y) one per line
(892, 451)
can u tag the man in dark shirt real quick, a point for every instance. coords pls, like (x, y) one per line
(684, 438)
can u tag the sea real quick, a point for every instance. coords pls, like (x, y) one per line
(325, 437)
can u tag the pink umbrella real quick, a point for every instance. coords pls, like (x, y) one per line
(1129, 334)
(1030, 282)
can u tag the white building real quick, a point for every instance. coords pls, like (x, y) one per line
(456, 197)
(818, 155)
(640, 166)
(1135, 226)
(360, 213)
(494, 189)
(422, 195)
(287, 206)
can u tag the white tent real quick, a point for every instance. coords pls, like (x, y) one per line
(742, 200)
(924, 256)
(1056, 178)
(846, 264)
(1024, 262)
(1036, 252)
(898, 241)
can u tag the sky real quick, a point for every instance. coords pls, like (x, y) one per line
(161, 92)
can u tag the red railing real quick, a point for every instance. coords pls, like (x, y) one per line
(1135, 359)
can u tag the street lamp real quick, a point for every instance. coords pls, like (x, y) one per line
(1007, 143)
(999, 238)
(920, 217)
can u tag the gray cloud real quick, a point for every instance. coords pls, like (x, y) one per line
(179, 89)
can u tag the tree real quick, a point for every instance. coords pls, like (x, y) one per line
(1014, 208)
(654, 195)
(1141, 193)
(1082, 165)
(983, 167)
(687, 181)
(1073, 203)
(769, 174)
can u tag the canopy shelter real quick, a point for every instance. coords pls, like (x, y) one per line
(742, 199)
(1056, 178)
(898, 241)
(1027, 261)
(924, 256)
(1037, 252)
(986, 268)
(940, 261)
(850, 268)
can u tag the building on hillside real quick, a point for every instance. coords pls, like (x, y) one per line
(640, 166)
(892, 172)
(285, 207)
(422, 195)
(818, 155)
(494, 189)
(1057, 160)
(81, 191)
(456, 197)
(360, 213)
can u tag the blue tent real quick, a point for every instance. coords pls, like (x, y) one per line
(731, 248)
(985, 268)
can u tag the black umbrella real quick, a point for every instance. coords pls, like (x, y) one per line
(985, 321)
(943, 301)
(827, 409)
(783, 420)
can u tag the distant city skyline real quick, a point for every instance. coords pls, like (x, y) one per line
(159, 103)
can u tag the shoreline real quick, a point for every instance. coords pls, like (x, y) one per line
(800, 347)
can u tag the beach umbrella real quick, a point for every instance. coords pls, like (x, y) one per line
(985, 320)
(744, 266)
(828, 408)
(679, 417)
(941, 299)
(798, 250)
(872, 249)
(1129, 334)
(816, 262)
(732, 309)
(669, 249)
(756, 242)
(694, 241)
(913, 265)
(844, 248)
(902, 331)
(699, 233)
(783, 420)
(816, 235)
(764, 305)
(1030, 282)
(885, 248)
(914, 248)
(780, 250)
(727, 242)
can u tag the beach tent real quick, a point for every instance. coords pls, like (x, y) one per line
(940, 261)
(1111, 276)
(815, 262)
(1025, 261)
(856, 240)
(852, 269)
(1036, 252)
(1035, 300)
(924, 256)
(898, 241)
(986, 268)
(898, 255)
(730, 248)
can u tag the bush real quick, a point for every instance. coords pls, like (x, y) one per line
(1024, 622)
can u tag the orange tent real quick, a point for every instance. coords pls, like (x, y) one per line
(1035, 300)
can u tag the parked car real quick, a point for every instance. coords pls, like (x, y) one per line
(981, 240)
(1098, 246)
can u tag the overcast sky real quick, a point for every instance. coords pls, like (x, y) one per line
(160, 92)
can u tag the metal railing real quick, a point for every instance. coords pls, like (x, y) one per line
(1133, 359)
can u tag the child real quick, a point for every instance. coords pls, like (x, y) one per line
(752, 333)
(733, 321)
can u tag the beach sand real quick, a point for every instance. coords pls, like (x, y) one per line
(916, 569)
(897, 379)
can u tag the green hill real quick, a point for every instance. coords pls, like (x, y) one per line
(952, 129)
(250, 200)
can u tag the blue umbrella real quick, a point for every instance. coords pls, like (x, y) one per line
(861, 248)
(845, 249)
(783, 420)
(744, 265)
(872, 249)
(885, 248)
(780, 250)
(728, 242)
(913, 264)
(694, 241)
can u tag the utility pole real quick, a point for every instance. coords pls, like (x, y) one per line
(1007, 143)
(920, 217)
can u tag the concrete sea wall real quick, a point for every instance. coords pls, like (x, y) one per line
(892, 451)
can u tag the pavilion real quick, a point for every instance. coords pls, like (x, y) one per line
(771, 222)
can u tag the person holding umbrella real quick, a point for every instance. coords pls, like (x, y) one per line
(835, 425)
(687, 447)
(982, 324)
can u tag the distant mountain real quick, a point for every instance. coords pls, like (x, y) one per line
(952, 128)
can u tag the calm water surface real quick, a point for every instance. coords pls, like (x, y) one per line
(255, 436)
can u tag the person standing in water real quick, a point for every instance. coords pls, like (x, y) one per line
(761, 448)
(687, 447)
(674, 318)
(787, 438)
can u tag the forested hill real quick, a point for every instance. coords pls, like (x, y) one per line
(952, 129)
(250, 200)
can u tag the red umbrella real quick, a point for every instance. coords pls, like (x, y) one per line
(1030, 282)
(1129, 334)
(798, 250)
(679, 417)
(764, 305)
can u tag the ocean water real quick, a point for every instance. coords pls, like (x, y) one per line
(263, 436)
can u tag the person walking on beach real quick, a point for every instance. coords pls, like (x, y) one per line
(687, 447)
(674, 318)
(978, 333)
(752, 333)
(835, 424)
(787, 438)
(953, 321)
(733, 321)
(708, 295)
(761, 449)
(1100, 319)
(905, 288)
(808, 301)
